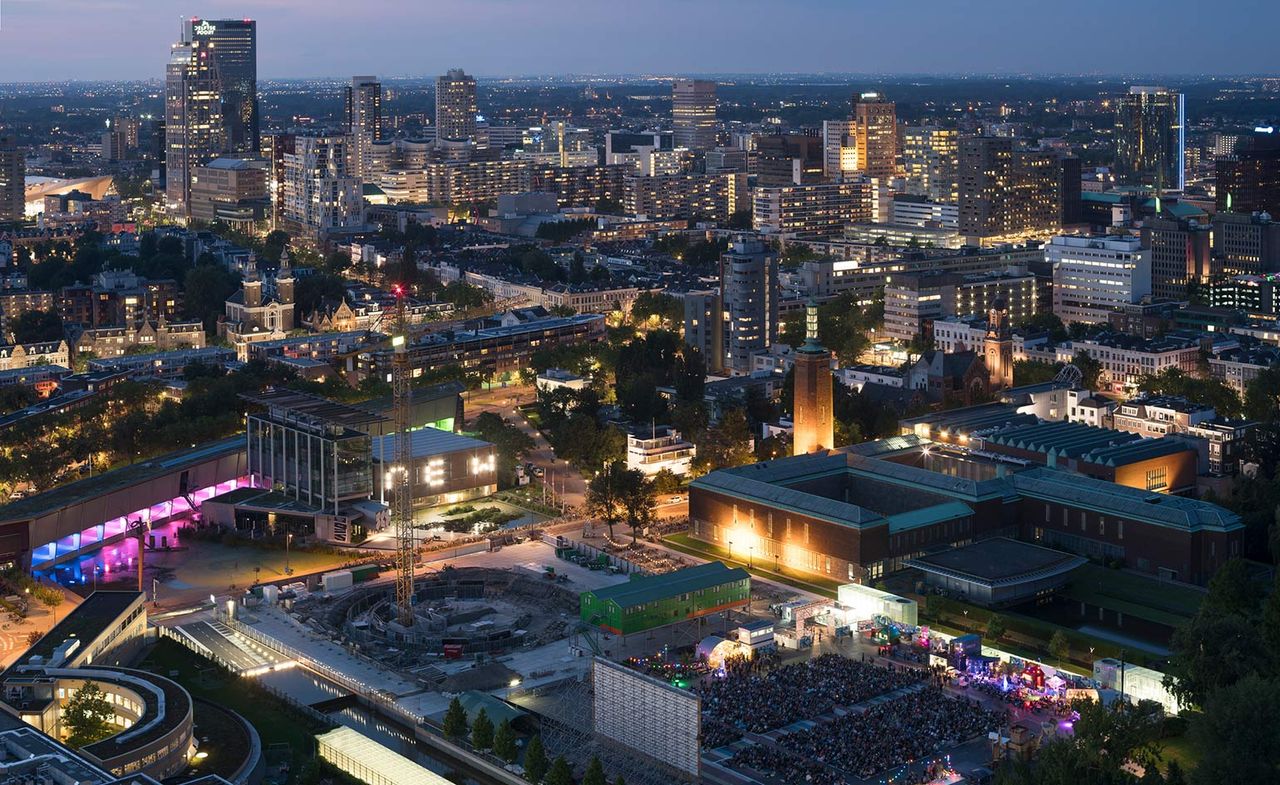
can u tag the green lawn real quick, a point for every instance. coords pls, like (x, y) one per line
(1180, 749)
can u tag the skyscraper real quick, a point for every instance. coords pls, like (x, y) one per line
(1249, 178)
(693, 113)
(364, 121)
(1181, 256)
(875, 133)
(812, 416)
(232, 44)
(194, 131)
(1007, 193)
(1151, 138)
(13, 168)
(929, 158)
(749, 302)
(456, 106)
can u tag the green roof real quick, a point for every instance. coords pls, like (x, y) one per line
(651, 588)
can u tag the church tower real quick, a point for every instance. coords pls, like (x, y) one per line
(997, 347)
(284, 279)
(813, 418)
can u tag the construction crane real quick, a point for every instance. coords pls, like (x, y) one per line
(402, 496)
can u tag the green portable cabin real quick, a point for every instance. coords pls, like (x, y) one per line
(649, 601)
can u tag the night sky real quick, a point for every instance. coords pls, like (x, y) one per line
(129, 39)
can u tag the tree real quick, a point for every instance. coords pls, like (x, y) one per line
(313, 290)
(1032, 372)
(1231, 591)
(1210, 653)
(88, 716)
(1236, 735)
(996, 627)
(37, 326)
(455, 720)
(595, 772)
(618, 780)
(1090, 369)
(560, 773)
(482, 730)
(535, 760)
(638, 500)
(728, 444)
(1059, 645)
(205, 292)
(504, 742)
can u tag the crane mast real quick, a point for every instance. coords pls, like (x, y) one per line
(402, 497)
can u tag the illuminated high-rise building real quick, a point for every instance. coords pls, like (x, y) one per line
(194, 132)
(812, 415)
(1151, 138)
(320, 195)
(930, 160)
(1007, 193)
(875, 134)
(364, 122)
(232, 45)
(456, 107)
(839, 156)
(693, 113)
(1249, 175)
(13, 168)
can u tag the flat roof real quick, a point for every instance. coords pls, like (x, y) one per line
(650, 588)
(998, 561)
(427, 441)
(382, 763)
(86, 621)
(116, 479)
(263, 499)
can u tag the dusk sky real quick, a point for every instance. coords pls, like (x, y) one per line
(129, 39)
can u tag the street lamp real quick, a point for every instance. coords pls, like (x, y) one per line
(751, 552)
(731, 550)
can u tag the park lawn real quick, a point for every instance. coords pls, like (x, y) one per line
(1161, 602)
(1180, 749)
(274, 721)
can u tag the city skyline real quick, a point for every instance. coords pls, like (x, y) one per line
(39, 42)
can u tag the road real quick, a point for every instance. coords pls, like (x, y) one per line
(562, 479)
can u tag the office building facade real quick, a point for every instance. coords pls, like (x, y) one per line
(749, 301)
(1181, 256)
(811, 211)
(875, 133)
(1151, 138)
(1246, 244)
(930, 161)
(693, 113)
(1249, 175)
(1093, 276)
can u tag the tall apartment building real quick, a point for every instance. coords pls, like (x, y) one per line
(274, 148)
(739, 318)
(875, 133)
(1151, 138)
(1246, 244)
(231, 190)
(1007, 193)
(320, 194)
(693, 113)
(364, 122)
(839, 153)
(13, 170)
(1093, 276)
(711, 196)
(930, 161)
(1249, 175)
(788, 159)
(749, 302)
(1181, 255)
(811, 211)
(456, 106)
